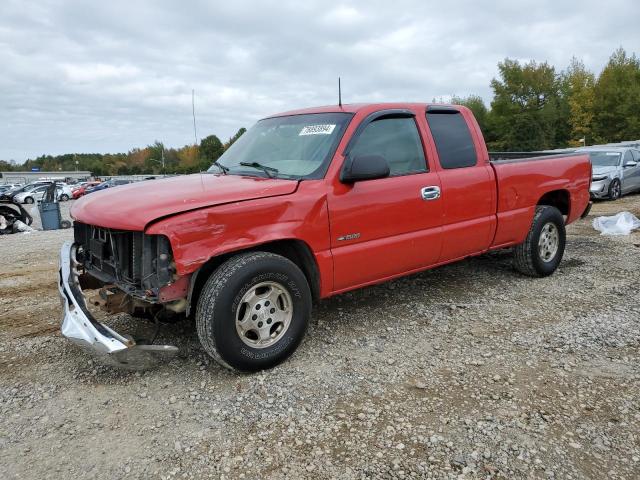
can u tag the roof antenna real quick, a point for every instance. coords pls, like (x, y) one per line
(193, 111)
(339, 94)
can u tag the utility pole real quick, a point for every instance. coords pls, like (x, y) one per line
(162, 156)
(193, 110)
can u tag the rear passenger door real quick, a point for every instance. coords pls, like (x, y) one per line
(467, 183)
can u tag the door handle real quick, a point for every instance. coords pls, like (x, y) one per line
(430, 193)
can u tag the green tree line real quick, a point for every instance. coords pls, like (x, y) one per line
(535, 107)
(188, 159)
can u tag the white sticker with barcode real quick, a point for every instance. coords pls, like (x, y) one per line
(317, 130)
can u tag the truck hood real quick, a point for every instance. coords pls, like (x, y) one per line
(132, 207)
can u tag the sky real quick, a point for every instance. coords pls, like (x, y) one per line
(109, 76)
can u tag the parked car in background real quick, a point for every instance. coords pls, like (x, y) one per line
(64, 189)
(616, 171)
(65, 192)
(5, 187)
(81, 188)
(108, 184)
(8, 195)
(37, 193)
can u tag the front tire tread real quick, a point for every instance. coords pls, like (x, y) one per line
(523, 254)
(213, 290)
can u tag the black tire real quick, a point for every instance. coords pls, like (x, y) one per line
(527, 257)
(615, 189)
(219, 304)
(28, 200)
(64, 197)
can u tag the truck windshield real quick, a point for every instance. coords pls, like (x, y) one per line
(605, 159)
(295, 146)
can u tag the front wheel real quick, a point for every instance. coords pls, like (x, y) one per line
(253, 311)
(64, 197)
(615, 189)
(541, 252)
(28, 200)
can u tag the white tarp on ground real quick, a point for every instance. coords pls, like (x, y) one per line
(621, 224)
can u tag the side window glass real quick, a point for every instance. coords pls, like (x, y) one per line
(627, 157)
(395, 139)
(453, 139)
(636, 155)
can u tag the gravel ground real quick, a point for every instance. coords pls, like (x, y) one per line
(466, 371)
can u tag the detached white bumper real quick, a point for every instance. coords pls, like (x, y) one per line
(79, 325)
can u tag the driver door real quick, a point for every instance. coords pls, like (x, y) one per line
(388, 226)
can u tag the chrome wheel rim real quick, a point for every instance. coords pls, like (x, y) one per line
(616, 190)
(264, 314)
(548, 242)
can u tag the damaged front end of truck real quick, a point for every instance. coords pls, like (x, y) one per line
(118, 271)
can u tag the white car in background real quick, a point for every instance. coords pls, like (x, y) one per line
(65, 192)
(36, 194)
(9, 186)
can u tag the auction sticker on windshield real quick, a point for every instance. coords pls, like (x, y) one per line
(317, 130)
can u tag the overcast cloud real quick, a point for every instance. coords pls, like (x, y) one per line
(118, 74)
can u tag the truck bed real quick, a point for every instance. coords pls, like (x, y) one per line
(506, 156)
(522, 182)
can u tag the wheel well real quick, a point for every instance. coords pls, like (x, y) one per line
(557, 198)
(295, 250)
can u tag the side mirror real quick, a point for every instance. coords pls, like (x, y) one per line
(364, 167)
(630, 163)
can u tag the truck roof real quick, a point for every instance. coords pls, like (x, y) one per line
(356, 107)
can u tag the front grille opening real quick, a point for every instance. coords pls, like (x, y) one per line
(140, 264)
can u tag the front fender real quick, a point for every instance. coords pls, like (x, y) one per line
(200, 235)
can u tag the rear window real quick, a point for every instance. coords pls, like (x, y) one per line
(452, 138)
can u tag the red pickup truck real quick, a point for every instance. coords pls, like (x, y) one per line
(305, 205)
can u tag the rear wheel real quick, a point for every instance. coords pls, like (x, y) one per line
(64, 197)
(541, 252)
(615, 189)
(253, 311)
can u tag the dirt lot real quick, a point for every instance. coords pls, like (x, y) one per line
(467, 371)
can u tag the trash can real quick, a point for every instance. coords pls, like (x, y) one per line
(50, 215)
